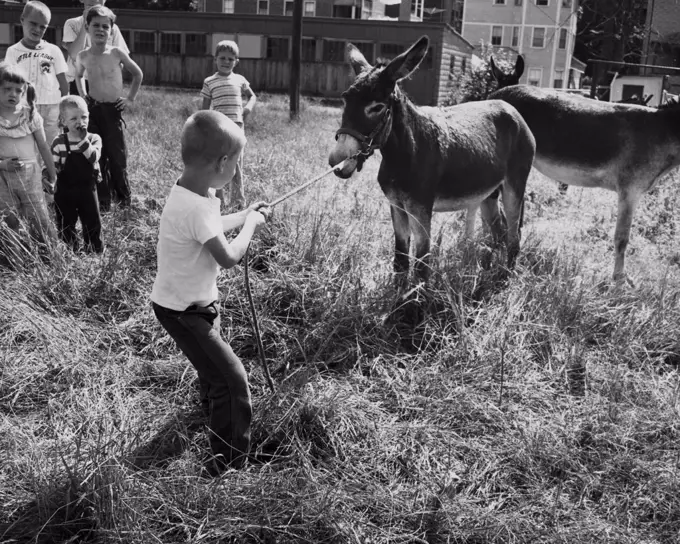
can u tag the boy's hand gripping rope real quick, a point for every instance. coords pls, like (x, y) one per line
(256, 325)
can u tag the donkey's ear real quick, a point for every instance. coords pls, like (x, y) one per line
(495, 71)
(357, 59)
(406, 63)
(519, 66)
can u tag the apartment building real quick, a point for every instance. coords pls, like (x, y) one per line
(345, 9)
(662, 41)
(543, 31)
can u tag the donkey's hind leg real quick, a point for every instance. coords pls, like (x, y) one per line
(513, 203)
(493, 219)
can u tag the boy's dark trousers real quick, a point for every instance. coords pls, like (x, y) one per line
(76, 198)
(107, 121)
(225, 394)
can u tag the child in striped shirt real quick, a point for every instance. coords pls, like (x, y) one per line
(76, 154)
(224, 91)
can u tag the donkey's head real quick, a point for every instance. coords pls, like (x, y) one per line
(505, 80)
(367, 115)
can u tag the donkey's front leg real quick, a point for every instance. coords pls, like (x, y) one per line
(624, 219)
(420, 219)
(402, 241)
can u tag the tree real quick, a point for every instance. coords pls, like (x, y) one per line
(611, 30)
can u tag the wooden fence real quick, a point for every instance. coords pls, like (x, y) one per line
(317, 78)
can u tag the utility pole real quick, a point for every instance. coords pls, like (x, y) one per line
(296, 61)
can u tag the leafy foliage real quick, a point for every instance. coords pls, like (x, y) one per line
(478, 82)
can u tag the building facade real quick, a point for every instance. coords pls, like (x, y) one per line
(662, 40)
(543, 31)
(344, 9)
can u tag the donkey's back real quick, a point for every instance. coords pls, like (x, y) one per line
(474, 147)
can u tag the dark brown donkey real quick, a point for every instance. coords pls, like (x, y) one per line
(621, 147)
(433, 159)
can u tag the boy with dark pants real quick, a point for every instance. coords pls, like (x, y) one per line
(76, 156)
(104, 66)
(191, 248)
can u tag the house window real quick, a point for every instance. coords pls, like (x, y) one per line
(499, 2)
(263, 7)
(195, 44)
(566, 4)
(125, 34)
(452, 64)
(288, 6)
(542, 2)
(463, 65)
(563, 38)
(309, 9)
(538, 39)
(534, 77)
(559, 79)
(228, 6)
(277, 48)
(496, 35)
(515, 36)
(308, 50)
(171, 43)
(518, 2)
(144, 42)
(333, 51)
(390, 50)
(366, 49)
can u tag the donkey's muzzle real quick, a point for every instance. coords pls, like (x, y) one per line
(346, 167)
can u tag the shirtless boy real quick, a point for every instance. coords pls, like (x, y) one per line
(104, 66)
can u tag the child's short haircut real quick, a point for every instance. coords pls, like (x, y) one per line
(100, 11)
(33, 6)
(228, 46)
(209, 135)
(71, 101)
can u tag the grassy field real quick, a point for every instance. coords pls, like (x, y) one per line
(535, 406)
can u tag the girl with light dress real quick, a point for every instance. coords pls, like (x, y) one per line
(21, 139)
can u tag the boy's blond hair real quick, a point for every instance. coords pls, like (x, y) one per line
(100, 11)
(33, 6)
(71, 101)
(227, 45)
(208, 136)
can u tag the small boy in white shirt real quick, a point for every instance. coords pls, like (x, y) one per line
(191, 248)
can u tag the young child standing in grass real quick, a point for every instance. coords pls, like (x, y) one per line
(76, 154)
(43, 63)
(191, 248)
(22, 141)
(225, 91)
(104, 65)
(75, 39)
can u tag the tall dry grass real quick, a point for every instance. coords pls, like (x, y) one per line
(533, 406)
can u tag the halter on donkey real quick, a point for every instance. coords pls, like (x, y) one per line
(433, 159)
(621, 147)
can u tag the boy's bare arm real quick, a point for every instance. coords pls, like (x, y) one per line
(77, 45)
(63, 84)
(206, 103)
(80, 74)
(46, 154)
(236, 220)
(137, 75)
(229, 254)
(251, 99)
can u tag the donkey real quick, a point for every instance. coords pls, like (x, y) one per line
(621, 147)
(433, 159)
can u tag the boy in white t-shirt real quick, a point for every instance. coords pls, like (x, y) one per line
(75, 39)
(44, 65)
(191, 248)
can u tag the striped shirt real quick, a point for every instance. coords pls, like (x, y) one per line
(226, 94)
(90, 147)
